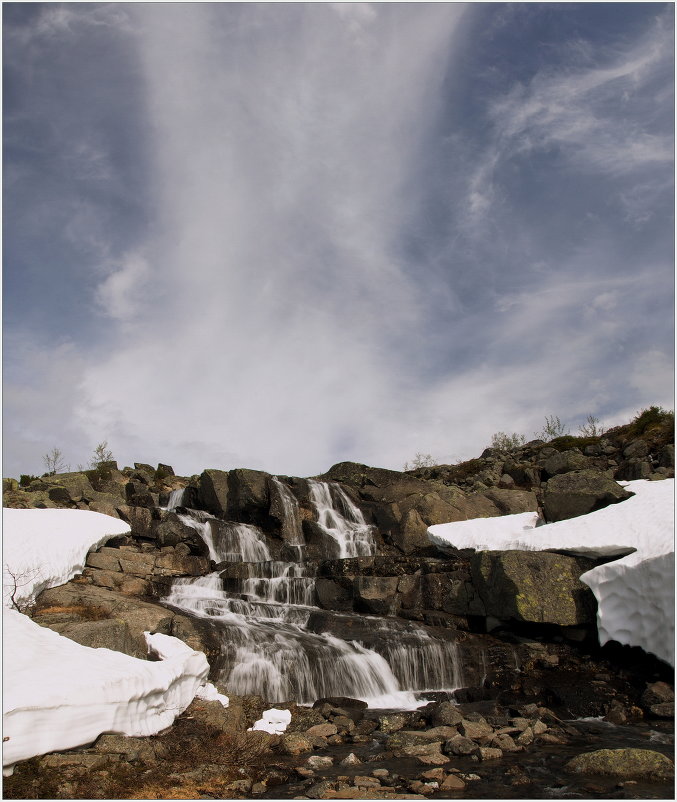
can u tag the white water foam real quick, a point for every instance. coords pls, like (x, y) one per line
(342, 520)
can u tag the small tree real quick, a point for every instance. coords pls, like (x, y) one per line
(420, 461)
(507, 442)
(102, 455)
(592, 427)
(553, 428)
(13, 581)
(54, 462)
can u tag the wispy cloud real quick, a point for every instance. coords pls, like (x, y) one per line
(294, 242)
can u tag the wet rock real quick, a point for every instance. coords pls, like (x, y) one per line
(439, 775)
(419, 787)
(637, 764)
(505, 743)
(434, 759)
(319, 762)
(351, 760)
(452, 783)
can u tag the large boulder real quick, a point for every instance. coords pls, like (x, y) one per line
(376, 595)
(213, 491)
(577, 493)
(534, 586)
(249, 496)
(76, 485)
(565, 462)
(624, 764)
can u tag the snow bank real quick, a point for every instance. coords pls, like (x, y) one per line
(635, 593)
(59, 694)
(274, 721)
(45, 548)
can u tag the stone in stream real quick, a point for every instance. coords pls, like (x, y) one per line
(319, 762)
(625, 764)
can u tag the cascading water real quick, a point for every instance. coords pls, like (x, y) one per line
(268, 648)
(175, 499)
(339, 518)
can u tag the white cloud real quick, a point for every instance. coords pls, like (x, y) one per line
(120, 293)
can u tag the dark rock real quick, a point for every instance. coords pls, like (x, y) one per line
(375, 595)
(334, 594)
(578, 493)
(512, 502)
(213, 491)
(249, 496)
(534, 586)
(565, 462)
(138, 495)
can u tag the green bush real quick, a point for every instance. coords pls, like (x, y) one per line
(652, 418)
(25, 479)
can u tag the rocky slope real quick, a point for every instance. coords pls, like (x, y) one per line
(523, 622)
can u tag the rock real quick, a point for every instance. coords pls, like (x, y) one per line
(578, 493)
(319, 762)
(444, 714)
(636, 448)
(213, 491)
(565, 462)
(392, 722)
(249, 495)
(656, 693)
(489, 753)
(626, 764)
(663, 710)
(452, 783)
(460, 745)
(295, 743)
(322, 730)
(363, 781)
(504, 742)
(475, 730)
(433, 759)
(512, 502)
(439, 775)
(526, 737)
(106, 634)
(351, 760)
(140, 519)
(535, 586)
(375, 595)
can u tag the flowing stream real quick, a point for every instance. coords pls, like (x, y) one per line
(265, 616)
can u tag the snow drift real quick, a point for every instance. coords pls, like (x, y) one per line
(635, 592)
(57, 693)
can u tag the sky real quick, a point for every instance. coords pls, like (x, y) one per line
(281, 236)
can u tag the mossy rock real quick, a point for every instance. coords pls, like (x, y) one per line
(626, 764)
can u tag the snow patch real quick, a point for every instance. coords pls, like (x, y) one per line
(45, 548)
(274, 721)
(60, 695)
(635, 593)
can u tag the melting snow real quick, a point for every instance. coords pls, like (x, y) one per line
(274, 721)
(45, 548)
(57, 693)
(635, 593)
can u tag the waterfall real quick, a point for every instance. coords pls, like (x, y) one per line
(291, 525)
(175, 499)
(263, 618)
(339, 518)
(228, 541)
